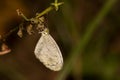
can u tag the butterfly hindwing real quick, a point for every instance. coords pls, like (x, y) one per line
(48, 52)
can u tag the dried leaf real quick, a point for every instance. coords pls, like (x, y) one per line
(40, 27)
(19, 12)
(4, 49)
(30, 29)
(42, 19)
(20, 33)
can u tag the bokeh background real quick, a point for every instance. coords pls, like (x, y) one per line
(87, 32)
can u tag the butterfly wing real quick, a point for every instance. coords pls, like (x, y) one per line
(48, 52)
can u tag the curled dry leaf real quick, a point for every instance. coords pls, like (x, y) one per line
(29, 29)
(40, 26)
(4, 49)
(20, 33)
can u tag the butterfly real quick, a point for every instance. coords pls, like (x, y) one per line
(48, 52)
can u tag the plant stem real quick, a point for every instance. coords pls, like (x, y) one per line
(86, 38)
(51, 7)
(45, 11)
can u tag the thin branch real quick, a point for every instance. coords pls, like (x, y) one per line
(21, 14)
(51, 7)
(44, 12)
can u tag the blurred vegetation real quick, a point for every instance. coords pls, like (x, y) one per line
(87, 32)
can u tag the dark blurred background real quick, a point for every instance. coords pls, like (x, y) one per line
(85, 23)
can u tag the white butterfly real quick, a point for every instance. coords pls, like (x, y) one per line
(48, 52)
